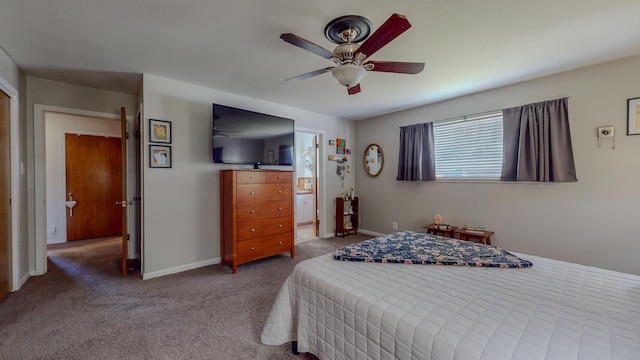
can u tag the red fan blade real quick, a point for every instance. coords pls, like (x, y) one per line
(307, 45)
(309, 74)
(391, 29)
(354, 89)
(397, 67)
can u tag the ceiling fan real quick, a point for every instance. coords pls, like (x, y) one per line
(352, 60)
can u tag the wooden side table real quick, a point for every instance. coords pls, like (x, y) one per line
(443, 230)
(481, 236)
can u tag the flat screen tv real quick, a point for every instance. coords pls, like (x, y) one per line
(250, 138)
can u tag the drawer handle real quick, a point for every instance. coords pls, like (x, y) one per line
(279, 242)
(279, 191)
(253, 230)
(252, 249)
(253, 211)
(279, 177)
(279, 225)
(251, 193)
(279, 209)
(250, 177)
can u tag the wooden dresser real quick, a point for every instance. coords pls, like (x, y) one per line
(256, 215)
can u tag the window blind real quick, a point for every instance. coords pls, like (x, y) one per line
(469, 147)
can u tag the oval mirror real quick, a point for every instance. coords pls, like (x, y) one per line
(373, 160)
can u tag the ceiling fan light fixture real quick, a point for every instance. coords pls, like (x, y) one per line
(351, 57)
(348, 74)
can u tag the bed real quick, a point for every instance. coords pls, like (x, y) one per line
(389, 310)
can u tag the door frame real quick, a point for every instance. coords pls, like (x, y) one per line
(321, 185)
(17, 170)
(38, 196)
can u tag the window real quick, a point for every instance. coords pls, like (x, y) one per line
(469, 147)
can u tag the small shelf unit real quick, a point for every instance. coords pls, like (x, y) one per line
(346, 216)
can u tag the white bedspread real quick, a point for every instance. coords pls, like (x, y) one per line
(554, 310)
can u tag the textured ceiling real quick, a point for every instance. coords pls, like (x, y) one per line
(234, 45)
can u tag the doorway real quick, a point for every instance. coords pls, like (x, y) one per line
(307, 189)
(5, 196)
(68, 140)
(46, 221)
(12, 172)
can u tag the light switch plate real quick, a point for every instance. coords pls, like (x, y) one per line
(606, 131)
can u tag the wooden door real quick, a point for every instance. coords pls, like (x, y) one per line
(5, 196)
(94, 182)
(123, 195)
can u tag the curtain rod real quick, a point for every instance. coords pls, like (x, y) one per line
(539, 102)
(488, 112)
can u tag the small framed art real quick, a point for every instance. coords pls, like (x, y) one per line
(159, 156)
(159, 131)
(633, 116)
(340, 146)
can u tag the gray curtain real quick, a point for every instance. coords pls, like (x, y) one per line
(416, 160)
(537, 143)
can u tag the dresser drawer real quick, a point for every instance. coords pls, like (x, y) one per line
(264, 192)
(265, 227)
(251, 177)
(279, 177)
(263, 210)
(263, 247)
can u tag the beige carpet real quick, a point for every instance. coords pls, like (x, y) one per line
(301, 236)
(83, 309)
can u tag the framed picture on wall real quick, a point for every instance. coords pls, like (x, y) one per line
(159, 131)
(340, 146)
(633, 116)
(159, 156)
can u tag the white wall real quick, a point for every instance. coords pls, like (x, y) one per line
(56, 126)
(9, 71)
(593, 222)
(181, 205)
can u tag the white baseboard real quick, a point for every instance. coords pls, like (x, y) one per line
(21, 282)
(181, 268)
(24, 279)
(369, 232)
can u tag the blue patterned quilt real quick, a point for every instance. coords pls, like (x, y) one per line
(410, 247)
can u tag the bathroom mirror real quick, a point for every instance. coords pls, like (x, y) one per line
(373, 160)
